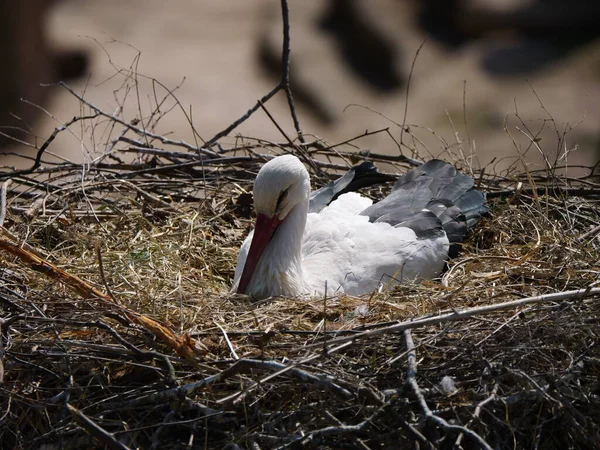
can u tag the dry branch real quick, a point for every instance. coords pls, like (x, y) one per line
(183, 345)
(457, 315)
(284, 85)
(95, 430)
(411, 380)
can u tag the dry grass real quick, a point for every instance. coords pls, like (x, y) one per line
(146, 348)
(168, 248)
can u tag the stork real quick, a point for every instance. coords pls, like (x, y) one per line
(347, 244)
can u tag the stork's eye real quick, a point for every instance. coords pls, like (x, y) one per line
(281, 198)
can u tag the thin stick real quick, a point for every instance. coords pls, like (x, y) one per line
(183, 345)
(38, 157)
(241, 366)
(95, 430)
(229, 344)
(360, 442)
(581, 238)
(102, 274)
(464, 314)
(284, 84)
(411, 380)
(245, 117)
(329, 431)
(477, 411)
(3, 189)
(137, 130)
(412, 67)
(285, 67)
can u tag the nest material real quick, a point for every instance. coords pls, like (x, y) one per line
(403, 365)
(117, 329)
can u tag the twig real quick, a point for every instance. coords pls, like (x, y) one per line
(137, 130)
(95, 430)
(477, 411)
(324, 382)
(573, 191)
(411, 381)
(284, 84)
(285, 67)
(38, 157)
(581, 238)
(328, 431)
(147, 195)
(541, 390)
(183, 345)
(339, 423)
(299, 149)
(516, 261)
(96, 324)
(229, 344)
(412, 68)
(504, 324)
(416, 434)
(463, 314)
(3, 189)
(245, 117)
(240, 366)
(102, 274)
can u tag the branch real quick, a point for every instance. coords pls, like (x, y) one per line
(324, 382)
(38, 157)
(285, 67)
(95, 430)
(284, 84)
(3, 189)
(183, 345)
(137, 130)
(581, 238)
(328, 431)
(245, 117)
(411, 380)
(462, 315)
(241, 366)
(572, 191)
(478, 409)
(412, 68)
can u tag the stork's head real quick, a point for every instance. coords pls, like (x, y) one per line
(281, 185)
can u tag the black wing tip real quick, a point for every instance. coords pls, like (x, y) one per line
(357, 177)
(365, 166)
(366, 174)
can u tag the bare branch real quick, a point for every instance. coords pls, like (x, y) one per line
(411, 380)
(140, 131)
(284, 84)
(3, 189)
(38, 157)
(95, 430)
(465, 314)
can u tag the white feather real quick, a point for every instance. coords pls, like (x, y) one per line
(334, 251)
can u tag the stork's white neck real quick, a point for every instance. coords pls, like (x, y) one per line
(279, 271)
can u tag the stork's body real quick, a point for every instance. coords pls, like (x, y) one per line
(350, 246)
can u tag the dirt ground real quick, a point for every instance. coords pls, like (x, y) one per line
(214, 46)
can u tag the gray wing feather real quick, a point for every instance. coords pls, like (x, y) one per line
(432, 199)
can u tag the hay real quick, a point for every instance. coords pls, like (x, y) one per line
(117, 329)
(490, 353)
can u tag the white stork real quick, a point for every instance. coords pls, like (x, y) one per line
(350, 245)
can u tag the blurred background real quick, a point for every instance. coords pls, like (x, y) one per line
(487, 69)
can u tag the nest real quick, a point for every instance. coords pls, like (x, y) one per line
(118, 330)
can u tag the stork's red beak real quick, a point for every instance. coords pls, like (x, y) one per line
(263, 232)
